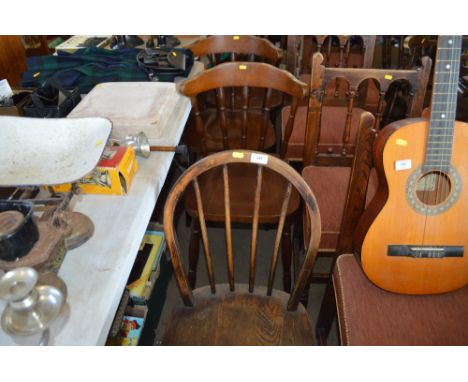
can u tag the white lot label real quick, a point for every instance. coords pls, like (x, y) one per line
(259, 158)
(403, 164)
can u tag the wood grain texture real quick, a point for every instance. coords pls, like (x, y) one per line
(12, 59)
(241, 318)
(247, 45)
(394, 221)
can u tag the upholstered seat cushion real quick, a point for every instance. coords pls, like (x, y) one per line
(330, 185)
(368, 315)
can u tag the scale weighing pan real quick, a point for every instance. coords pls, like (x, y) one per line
(52, 151)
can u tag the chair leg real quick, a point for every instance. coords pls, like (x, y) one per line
(286, 256)
(327, 314)
(194, 246)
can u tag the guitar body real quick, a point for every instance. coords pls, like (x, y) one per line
(427, 210)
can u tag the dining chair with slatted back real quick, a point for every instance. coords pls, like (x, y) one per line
(338, 51)
(333, 125)
(241, 128)
(234, 313)
(325, 131)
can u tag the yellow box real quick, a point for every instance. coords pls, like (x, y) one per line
(145, 271)
(113, 174)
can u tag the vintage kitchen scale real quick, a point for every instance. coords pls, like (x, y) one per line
(45, 152)
(36, 231)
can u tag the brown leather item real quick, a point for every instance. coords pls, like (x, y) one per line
(368, 315)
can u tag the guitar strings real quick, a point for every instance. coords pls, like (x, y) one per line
(445, 141)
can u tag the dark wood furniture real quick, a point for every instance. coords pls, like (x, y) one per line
(12, 59)
(243, 127)
(338, 51)
(240, 314)
(329, 123)
(368, 315)
(215, 50)
(404, 52)
(236, 48)
(340, 175)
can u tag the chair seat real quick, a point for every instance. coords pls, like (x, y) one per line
(369, 315)
(332, 128)
(242, 183)
(234, 122)
(331, 198)
(238, 318)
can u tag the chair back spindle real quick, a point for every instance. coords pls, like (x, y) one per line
(206, 246)
(227, 214)
(274, 260)
(253, 242)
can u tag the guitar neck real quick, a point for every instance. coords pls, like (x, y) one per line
(444, 104)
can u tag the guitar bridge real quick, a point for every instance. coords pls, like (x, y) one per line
(425, 251)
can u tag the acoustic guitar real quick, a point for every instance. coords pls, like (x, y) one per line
(417, 224)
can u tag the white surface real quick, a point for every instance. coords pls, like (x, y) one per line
(133, 107)
(144, 106)
(38, 151)
(96, 273)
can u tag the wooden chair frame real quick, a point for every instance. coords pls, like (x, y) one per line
(296, 51)
(321, 76)
(243, 75)
(212, 46)
(225, 158)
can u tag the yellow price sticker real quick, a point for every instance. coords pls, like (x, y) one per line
(242, 67)
(401, 142)
(236, 38)
(388, 76)
(237, 155)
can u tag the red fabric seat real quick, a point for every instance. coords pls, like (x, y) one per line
(330, 186)
(368, 315)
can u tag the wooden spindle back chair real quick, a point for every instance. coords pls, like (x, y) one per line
(237, 121)
(215, 50)
(239, 314)
(245, 127)
(236, 48)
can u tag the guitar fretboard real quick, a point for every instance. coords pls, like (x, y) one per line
(444, 104)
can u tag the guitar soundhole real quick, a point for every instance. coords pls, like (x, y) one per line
(433, 188)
